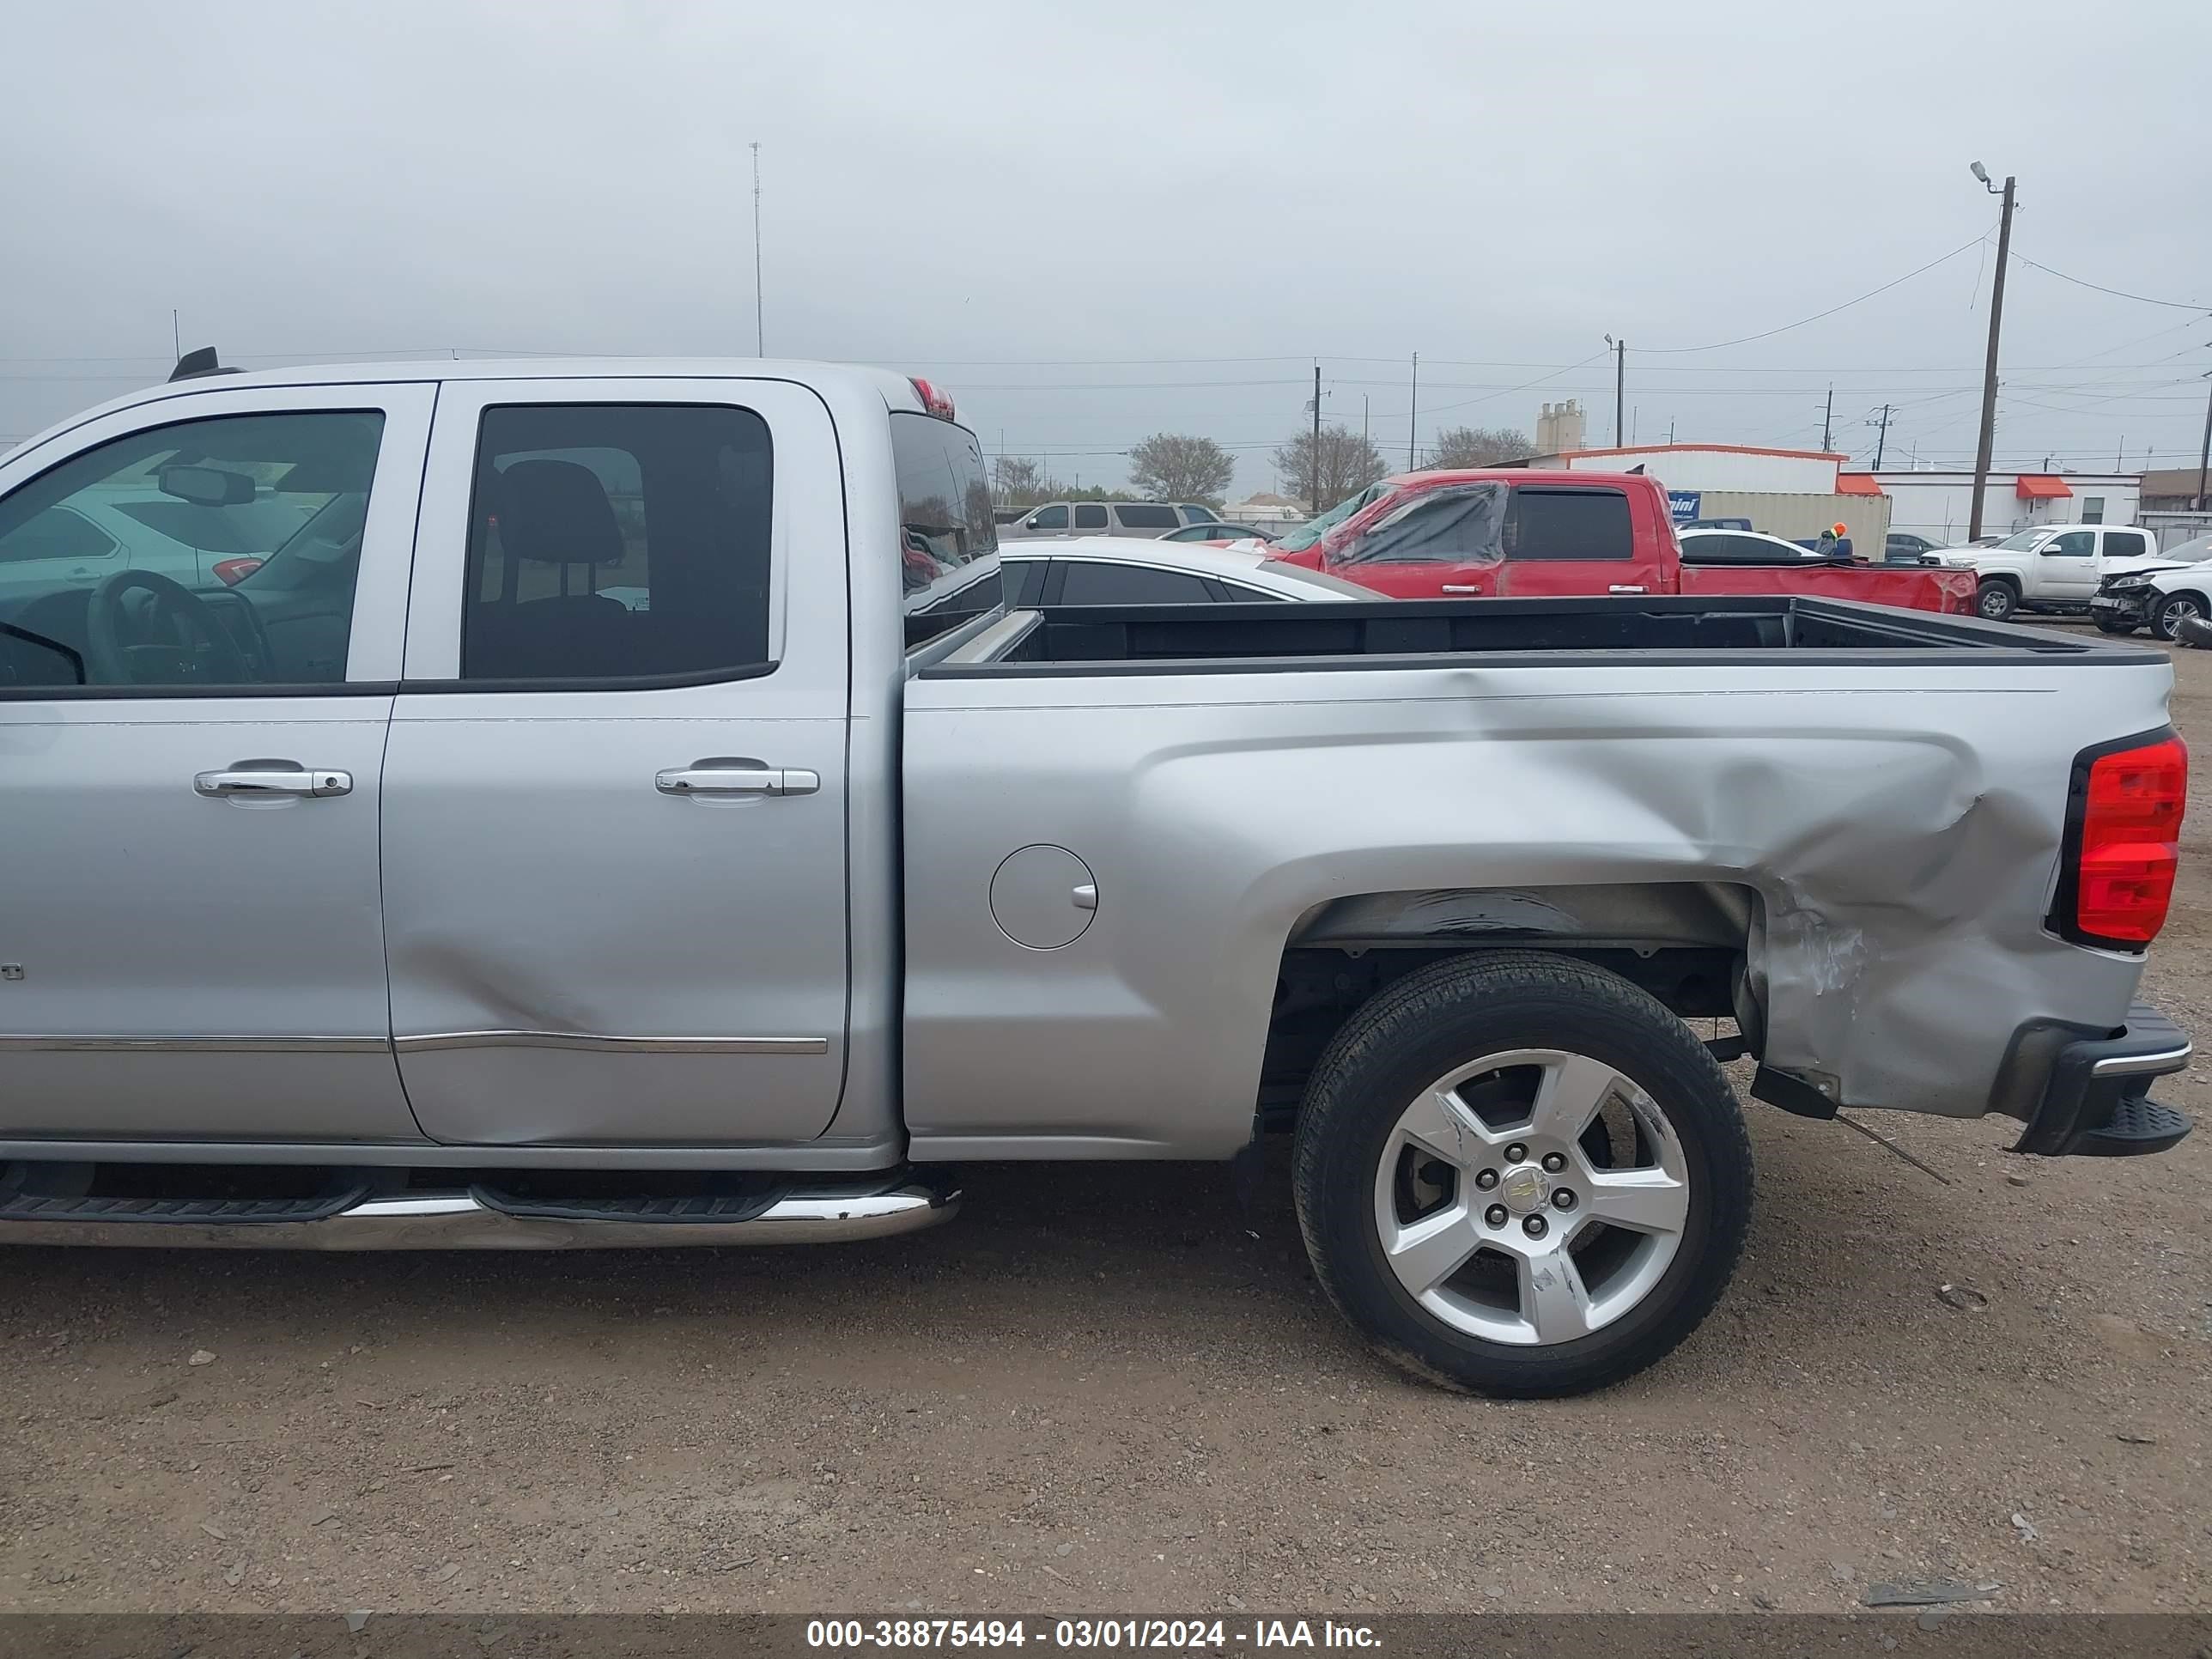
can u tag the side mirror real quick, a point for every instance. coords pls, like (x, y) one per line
(204, 486)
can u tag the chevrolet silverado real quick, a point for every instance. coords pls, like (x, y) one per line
(626, 810)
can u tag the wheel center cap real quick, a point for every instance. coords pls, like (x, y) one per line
(1524, 1190)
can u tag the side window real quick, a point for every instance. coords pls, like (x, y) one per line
(1090, 516)
(2126, 544)
(2074, 544)
(1437, 527)
(1089, 582)
(1049, 518)
(1193, 513)
(59, 532)
(1144, 515)
(116, 566)
(617, 542)
(1569, 524)
(948, 558)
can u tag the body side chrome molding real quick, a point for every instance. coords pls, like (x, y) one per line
(195, 1045)
(590, 1043)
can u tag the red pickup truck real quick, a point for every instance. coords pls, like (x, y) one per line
(1519, 532)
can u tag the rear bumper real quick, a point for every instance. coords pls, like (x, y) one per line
(2096, 1099)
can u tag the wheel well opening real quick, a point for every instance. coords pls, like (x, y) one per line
(1689, 944)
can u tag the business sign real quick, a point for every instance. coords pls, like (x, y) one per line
(1684, 504)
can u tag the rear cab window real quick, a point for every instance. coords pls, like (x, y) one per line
(948, 539)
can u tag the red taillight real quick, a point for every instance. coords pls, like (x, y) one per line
(231, 571)
(2128, 834)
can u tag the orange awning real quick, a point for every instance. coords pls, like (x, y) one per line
(2039, 487)
(1857, 484)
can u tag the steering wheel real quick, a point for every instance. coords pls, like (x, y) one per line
(188, 645)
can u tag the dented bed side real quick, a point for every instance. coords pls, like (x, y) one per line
(1890, 831)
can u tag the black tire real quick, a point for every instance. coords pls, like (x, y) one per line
(2114, 625)
(1463, 1010)
(1996, 601)
(2171, 610)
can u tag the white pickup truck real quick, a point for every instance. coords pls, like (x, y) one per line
(2051, 567)
(629, 810)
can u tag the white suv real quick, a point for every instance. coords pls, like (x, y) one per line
(1149, 519)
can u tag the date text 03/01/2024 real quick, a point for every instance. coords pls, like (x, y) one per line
(1083, 1633)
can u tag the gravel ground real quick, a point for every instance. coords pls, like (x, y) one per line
(1114, 1389)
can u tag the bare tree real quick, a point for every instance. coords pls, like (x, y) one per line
(1479, 446)
(1169, 466)
(1348, 464)
(1017, 480)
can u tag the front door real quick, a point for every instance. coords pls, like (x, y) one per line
(615, 808)
(2067, 567)
(1437, 543)
(191, 938)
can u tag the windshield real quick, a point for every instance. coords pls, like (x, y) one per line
(1313, 529)
(2026, 538)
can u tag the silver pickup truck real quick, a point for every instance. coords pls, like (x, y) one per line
(624, 811)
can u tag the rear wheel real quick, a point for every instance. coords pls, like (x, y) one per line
(1996, 601)
(1521, 1175)
(2174, 610)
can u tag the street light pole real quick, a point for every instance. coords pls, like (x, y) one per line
(1413, 414)
(1989, 368)
(1619, 383)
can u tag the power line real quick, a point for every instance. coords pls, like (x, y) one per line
(2117, 293)
(1769, 334)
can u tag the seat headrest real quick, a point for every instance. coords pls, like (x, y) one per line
(557, 513)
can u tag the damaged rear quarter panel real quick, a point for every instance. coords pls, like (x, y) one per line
(1900, 825)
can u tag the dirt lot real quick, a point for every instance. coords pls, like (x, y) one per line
(1114, 1389)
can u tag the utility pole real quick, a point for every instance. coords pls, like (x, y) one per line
(176, 334)
(1414, 415)
(1881, 442)
(1362, 417)
(1990, 368)
(760, 332)
(2204, 453)
(1828, 418)
(1316, 496)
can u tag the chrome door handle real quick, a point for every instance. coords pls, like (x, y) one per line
(736, 778)
(1618, 588)
(1462, 587)
(250, 778)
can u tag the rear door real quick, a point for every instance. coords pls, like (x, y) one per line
(1089, 519)
(1566, 539)
(192, 944)
(1149, 520)
(613, 852)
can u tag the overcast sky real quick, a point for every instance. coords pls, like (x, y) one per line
(1096, 221)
